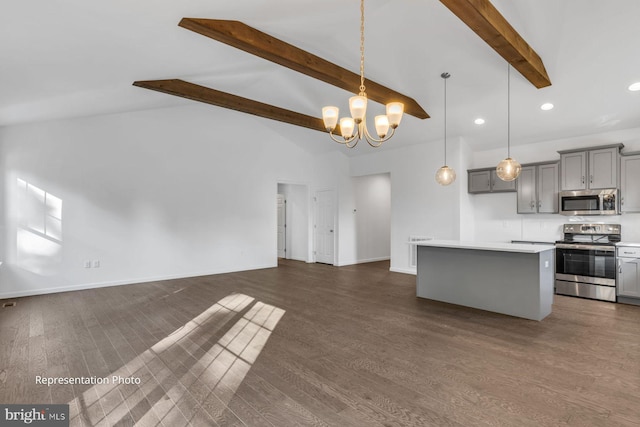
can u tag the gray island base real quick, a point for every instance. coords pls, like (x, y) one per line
(513, 279)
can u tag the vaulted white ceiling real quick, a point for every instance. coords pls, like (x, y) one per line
(73, 58)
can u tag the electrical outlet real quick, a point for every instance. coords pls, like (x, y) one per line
(87, 264)
(96, 263)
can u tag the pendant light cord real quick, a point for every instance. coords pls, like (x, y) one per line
(445, 121)
(508, 110)
(445, 76)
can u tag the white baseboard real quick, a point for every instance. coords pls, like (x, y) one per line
(363, 261)
(404, 270)
(95, 285)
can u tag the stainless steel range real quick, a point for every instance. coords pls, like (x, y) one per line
(586, 261)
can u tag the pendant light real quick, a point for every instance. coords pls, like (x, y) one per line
(445, 175)
(508, 169)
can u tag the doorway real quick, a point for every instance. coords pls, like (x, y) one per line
(292, 201)
(372, 217)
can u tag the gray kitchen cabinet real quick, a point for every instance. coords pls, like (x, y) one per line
(630, 183)
(479, 181)
(603, 168)
(499, 185)
(573, 167)
(487, 181)
(526, 186)
(537, 188)
(594, 169)
(628, 271)
(548, 188)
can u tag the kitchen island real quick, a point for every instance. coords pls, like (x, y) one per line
(507, 278)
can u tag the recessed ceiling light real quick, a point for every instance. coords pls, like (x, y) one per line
(634, 87)
(546, 106)
(479, 121)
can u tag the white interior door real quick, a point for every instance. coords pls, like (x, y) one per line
(325, 220)
(282, 226)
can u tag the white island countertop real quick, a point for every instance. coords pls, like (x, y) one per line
(487, 246)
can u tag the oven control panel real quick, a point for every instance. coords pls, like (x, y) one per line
(591, 229)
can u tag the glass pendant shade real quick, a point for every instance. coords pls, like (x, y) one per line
(382, 125)
(508, 169)
(347, 125)
(445, 175)
(330, 117)
(358, 107)
(394, 113)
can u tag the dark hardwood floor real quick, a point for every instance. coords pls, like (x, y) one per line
(316, 345)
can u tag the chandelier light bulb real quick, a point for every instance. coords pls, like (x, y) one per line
(330, 117)
(382, 125)
(358, 107)
(347, 125)
(445, 175)
(394, 113)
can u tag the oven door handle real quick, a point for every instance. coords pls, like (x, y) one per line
(586, 247)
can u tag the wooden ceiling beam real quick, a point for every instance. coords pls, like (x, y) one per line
(485, 20)
(255, 42)
(207, 95)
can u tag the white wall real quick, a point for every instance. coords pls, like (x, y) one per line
(154, 194)
(467, 213)
(372, 216)
(297, 220)
(178, 192)
(419, 205)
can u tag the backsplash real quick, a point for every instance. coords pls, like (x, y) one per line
(496, 221)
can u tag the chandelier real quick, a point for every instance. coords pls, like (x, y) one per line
(354, 128)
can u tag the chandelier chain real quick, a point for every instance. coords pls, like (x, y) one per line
(362, 88)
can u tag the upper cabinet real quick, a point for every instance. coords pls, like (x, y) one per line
(574, 171)
(487, 181)
(537, 188)
(590, 169)
(630, 183)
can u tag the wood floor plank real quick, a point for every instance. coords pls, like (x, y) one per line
(354, 347)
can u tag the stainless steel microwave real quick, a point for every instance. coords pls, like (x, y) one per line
(589, 202)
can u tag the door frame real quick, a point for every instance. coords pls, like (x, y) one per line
(308, 217)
